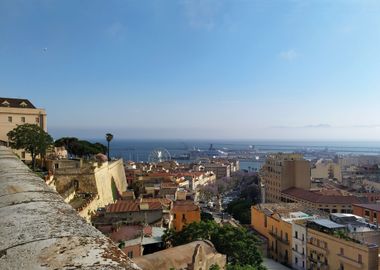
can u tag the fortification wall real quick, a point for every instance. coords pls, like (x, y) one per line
(38, 230)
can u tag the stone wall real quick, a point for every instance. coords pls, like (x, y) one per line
(38, 230)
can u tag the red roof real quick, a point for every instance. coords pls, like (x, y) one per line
(184, 206)
(131, 206)
(315, 197)
(370, 206)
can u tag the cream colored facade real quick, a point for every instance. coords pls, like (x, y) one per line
(326, 169)
(11, 117)
(325, 251)
(283, 171)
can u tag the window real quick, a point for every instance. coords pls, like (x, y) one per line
(296, 259)
(37, 120)
(296, 247)
(130, 254)
(296, 234)
(286, 236)
(23, 119)
(360, 258)
(22, 154)
(341, 251)
(366, 213)
(374, 215)
(10, 119)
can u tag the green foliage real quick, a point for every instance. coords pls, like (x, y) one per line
(214, 267)
(244, 267)
(32, 138)
(80, 148)
(206, 216)
(138, 188)
(237, 243)
(121, 244)
(241, 210)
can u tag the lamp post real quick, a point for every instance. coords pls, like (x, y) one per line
(109, 138)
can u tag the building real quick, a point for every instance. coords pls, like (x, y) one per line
(130, 212)
(274, 222)
(329, 246)
(320, 201)
(299, 236)
(183, 213)
(134, 240)
(326, 169)
(197, 255)
(371, 212)
(14, 112)
(219, 169)
(284, 171)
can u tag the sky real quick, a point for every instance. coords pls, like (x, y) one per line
(223, 69)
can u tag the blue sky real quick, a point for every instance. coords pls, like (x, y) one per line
(196, 69)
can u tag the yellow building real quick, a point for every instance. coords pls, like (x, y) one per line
(327, 251)
(274, 222)
(14, 112)
(283, 171)
(183, 213)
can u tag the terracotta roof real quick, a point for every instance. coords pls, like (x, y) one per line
(16, 103)
(184, 206)
(370, 206)
(131, 206)
(319, 198)
(162, 201)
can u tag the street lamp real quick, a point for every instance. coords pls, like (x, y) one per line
(109, 138)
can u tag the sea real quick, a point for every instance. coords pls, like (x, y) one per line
(139, 150)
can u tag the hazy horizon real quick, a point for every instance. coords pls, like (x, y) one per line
(243, 70)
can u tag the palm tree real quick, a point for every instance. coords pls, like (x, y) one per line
(109, 138)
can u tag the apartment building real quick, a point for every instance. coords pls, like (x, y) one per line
(274, 222)
(299, 236)
(329, 246)
(326, 169)
(283, 171)
(14, 112)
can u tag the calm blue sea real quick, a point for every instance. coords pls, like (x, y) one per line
(138, 150)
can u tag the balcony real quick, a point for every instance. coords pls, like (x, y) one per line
(318, 249)
(285, 241)
(350, 261)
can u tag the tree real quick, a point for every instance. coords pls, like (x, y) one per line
(238, 244)
(32, 138)
(240, 209)
(80, 148)
(109, 138)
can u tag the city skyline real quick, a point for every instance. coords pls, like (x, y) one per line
(283, 70)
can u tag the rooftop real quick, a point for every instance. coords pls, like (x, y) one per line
(184, 206)
(287, 210)
(132, 206)
(370, 206)
(16, 103)
(316, 197)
